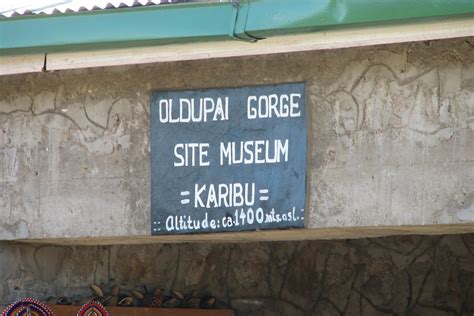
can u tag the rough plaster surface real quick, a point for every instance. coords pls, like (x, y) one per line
(411, 275)
(391, 134)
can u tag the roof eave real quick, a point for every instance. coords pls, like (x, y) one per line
(200, 30)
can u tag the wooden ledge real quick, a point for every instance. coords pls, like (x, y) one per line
(62, 310)
(270, 235)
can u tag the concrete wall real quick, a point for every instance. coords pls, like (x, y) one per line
(411, 275)
(390, 141)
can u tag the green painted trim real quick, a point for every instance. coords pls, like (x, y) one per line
(247, 20)
(241, 22)
(117, 28)
(271, 17)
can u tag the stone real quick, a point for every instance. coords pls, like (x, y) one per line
(350, 277)
(246, 274)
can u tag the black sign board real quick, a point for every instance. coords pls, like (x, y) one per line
(228, 159)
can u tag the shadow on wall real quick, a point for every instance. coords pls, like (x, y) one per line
(419, 275)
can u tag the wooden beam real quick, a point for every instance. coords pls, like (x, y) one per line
(21, 64)
(273, 235)
(334, 39)
(63, 310)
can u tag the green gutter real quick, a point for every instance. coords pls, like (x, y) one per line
(249, 21)
(126, 27)
(271, 17)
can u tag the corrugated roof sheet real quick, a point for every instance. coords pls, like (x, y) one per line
(10, 8)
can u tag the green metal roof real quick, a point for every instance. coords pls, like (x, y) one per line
(245, 20)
